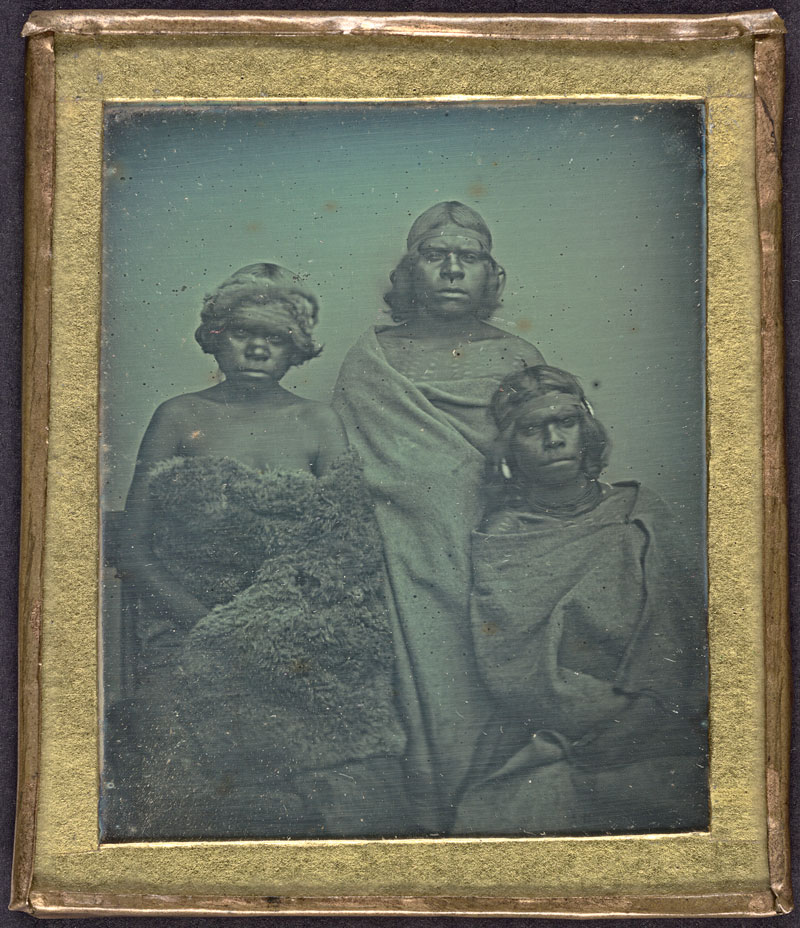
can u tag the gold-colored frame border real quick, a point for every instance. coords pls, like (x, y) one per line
(766, 29)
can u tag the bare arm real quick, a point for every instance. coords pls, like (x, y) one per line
(161, 441)
(332, 440)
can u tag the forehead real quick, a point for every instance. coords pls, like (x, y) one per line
(451, 243)
(272, 317)
(543, 415)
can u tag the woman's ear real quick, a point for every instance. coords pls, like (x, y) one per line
(500, 285)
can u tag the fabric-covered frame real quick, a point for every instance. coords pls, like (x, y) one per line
(61, 871)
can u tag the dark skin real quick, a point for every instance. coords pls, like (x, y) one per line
(249, 417)
(546, 453)
(444, 339)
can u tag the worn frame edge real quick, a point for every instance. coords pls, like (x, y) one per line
(37, 299)
(54, 904)
(767, 29)
(642, 27)
(769, 90)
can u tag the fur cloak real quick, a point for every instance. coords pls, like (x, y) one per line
(290, 671)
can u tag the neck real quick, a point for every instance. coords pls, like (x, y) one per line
(565, 497)
(256, 389)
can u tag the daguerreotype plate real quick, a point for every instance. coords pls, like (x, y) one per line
(404, 510)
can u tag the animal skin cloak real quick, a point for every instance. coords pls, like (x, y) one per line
(274, 714)
(590, 635)
(423, 449)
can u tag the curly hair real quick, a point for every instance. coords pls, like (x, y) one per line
(518, 389)
(261, 285)
(401, 298)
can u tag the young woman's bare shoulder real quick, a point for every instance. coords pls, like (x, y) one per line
(177, 407)
(320, 415)
(324, 423)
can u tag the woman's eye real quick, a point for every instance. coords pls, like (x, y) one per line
(469, 259)
(568, 422)
(276, 340)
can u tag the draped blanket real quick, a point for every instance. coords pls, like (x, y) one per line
(290, 671)
(423, 445)
(590, 635)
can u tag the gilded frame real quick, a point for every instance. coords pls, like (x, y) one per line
(741, 866)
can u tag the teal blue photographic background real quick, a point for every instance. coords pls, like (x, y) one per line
(597, 212)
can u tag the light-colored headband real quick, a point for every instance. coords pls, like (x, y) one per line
(528, 401)
(448, 229)
(550, 400)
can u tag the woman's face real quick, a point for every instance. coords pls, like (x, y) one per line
(450, 275)
(547, 446)
(254, 344)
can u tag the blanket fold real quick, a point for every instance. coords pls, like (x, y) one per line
(423, 447)
(590, 636)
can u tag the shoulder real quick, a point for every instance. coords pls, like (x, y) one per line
(325, 425)
(642, 502)
(176, 409)
(643, 497)
(319, 416)
(184, 402)
(527, 353)
(650, 503)
(363, 346)
(168, 425)
(666, 528)
(320, 412)
(368, 336)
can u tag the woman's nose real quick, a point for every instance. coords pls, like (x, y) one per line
(451, 267)
(553, 436)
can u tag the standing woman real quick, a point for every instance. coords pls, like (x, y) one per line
(414, 399)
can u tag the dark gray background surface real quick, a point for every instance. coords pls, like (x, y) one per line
(13, 14)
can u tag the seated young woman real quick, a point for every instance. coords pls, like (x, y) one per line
(263, 669)
(588, 622)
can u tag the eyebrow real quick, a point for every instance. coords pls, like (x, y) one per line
(571, 413)
(233, 324)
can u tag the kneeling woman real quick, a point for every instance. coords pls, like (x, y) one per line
(589, 630)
